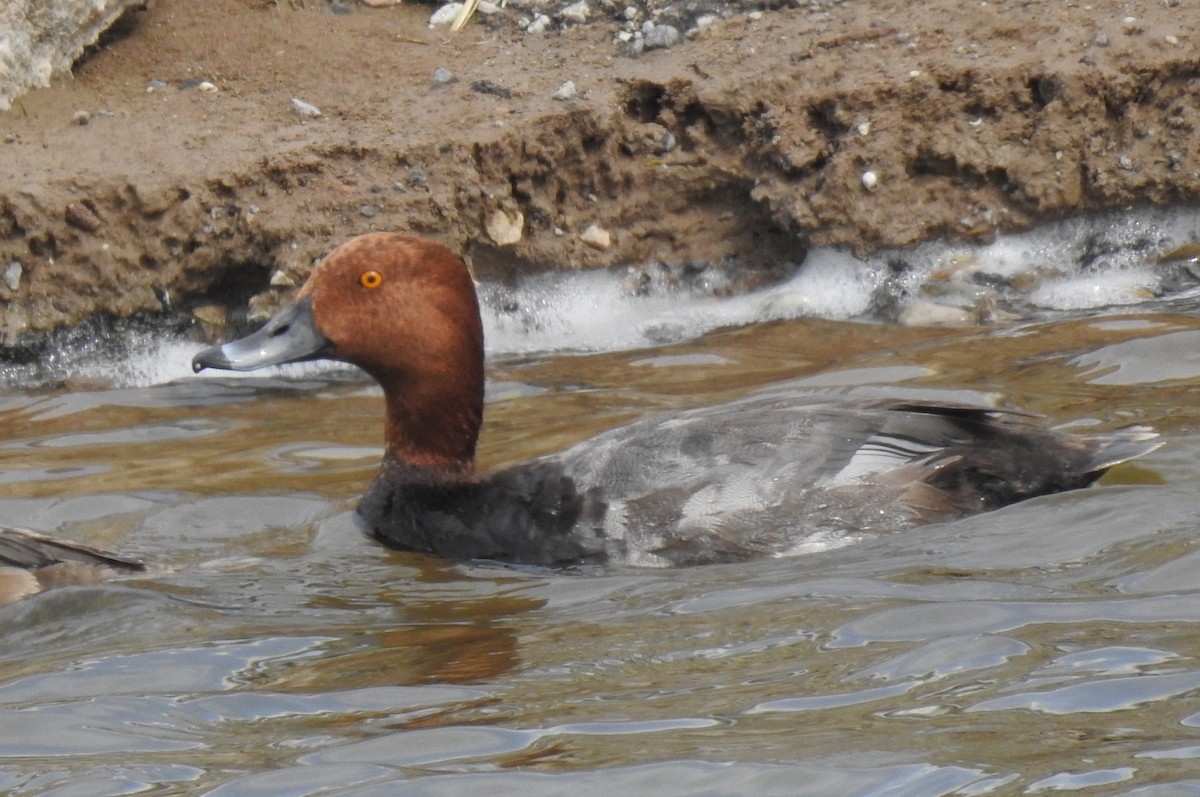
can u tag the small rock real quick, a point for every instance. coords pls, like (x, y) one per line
(305, 109)
(576, 12)
(1125, 162)
(417, 179)
(12, 275)
(870, 180)
(81, 118)
(155, 85)
(565, 92)
(207, 86)
(540, 24)
(443, 77)
(491, 87)
(667, 142)
(661, 37)
(505, 230)
(213, 316)
(924, 313)
(445, 15)
(1100, 40)
(339, 7)
(369, 211)
(82, 217)
(596, 237)
(281, 279)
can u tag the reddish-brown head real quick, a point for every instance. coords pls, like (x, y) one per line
(404, 309)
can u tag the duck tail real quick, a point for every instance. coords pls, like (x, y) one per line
(1112, 448)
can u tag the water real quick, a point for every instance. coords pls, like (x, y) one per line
(1051, 646)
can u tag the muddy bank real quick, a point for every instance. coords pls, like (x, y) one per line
(750, 140)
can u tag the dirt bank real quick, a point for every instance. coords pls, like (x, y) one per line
(749, 140)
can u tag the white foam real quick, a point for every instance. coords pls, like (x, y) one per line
(594, 311)
(1074, 265)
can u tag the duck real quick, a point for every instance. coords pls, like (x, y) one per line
(759, 476)
(31, 563)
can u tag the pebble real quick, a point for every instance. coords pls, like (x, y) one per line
(12, 275)
(305, 109)
(505, 230)
(445, 15)
(576, 13)
(82, 217)
(661, 37)
(870, 180)
(596, 237)
(539, 24)
(491, 87)
(81, 118)
(369, 211)
(565, 92)
(155, 85)
(443, 77)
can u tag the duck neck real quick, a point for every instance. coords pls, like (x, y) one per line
(435, 430)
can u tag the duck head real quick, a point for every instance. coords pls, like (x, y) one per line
(403, 309)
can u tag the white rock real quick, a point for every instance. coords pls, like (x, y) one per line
(565, 92)
(539, 25)
(596, 237)
(40, 39)
(12, 275)
(305, 109)
(870, 180)
(206, 85)
(504, 229)
(445, 15)
(576, 12)
(661, 37)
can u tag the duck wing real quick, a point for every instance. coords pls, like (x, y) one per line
(32, 562)
(769, 475)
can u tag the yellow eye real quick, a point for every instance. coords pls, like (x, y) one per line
(370, 279)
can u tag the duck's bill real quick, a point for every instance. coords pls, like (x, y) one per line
(291, 336)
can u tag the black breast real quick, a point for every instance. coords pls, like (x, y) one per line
(525, 514)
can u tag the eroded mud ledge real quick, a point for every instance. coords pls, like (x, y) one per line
(748, 141)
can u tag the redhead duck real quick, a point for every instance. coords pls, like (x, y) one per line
(32, 562)
(757, 476)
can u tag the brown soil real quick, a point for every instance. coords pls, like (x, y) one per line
(979, 118)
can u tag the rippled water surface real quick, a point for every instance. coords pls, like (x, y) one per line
(1053, 645)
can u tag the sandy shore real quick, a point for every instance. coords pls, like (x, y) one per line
(866, 124)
